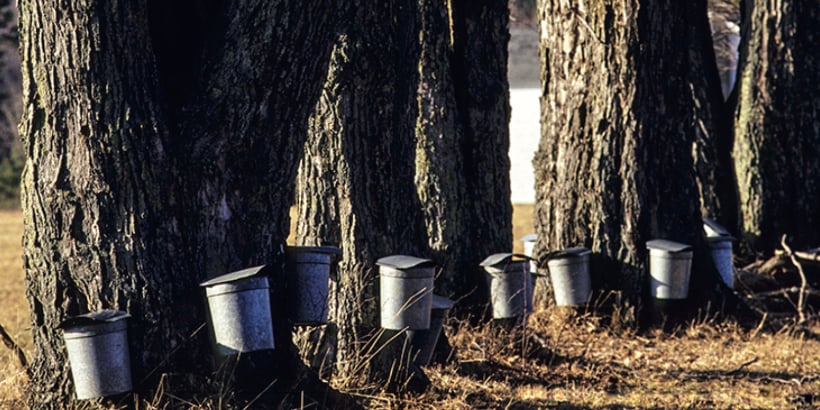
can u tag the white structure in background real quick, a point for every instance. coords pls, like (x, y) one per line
(525, 128)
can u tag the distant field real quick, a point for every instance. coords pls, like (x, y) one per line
(13, 307)
(559, 361)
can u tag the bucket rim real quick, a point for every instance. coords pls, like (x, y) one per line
(710, 224)
(402, 262)
(93, 330)
(260, 283)
(442, 303)
(99, 317)
(502, 259)
(721, 238)
(261, 270)
(574, 252)
(333, 251)
(668, 246)
(529, 238)
(423, 272)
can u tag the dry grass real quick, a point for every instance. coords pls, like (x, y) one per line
(13, 307)
(561, 360)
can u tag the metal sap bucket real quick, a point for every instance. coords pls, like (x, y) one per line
(239, 303)
(712, 228)
(424, 342)
(97, 345)
(529, 247)
(721, 249)
(569, 273)
(511, 284)
(670, 265)
(720, 246)
(308, 273)
(405, 292)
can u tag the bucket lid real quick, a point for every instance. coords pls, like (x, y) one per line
(529, 238)
(722, 238)
(334, 251)
(94, 318)
(570, 253)
(402, 262)
(667, 245)
(442, 303)
(713, 228)
(261, 270)
(503, 259)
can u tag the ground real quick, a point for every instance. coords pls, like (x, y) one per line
(561, 359)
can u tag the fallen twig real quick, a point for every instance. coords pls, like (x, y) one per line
(783, 292)
(739, 368)
(804, 283)
(11, 344)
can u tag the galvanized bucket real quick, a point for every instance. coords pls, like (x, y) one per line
(239, 303)
(424, 342)
(670, 264)
(569, 273)
(405, 292)
(97, 345)
(721, 249)
(712, 228)
(529, 246)
(511, 284)
(309, 272)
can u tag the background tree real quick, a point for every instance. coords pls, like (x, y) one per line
(777, 123)
(614, 167)
(11, 153)
(162, 141)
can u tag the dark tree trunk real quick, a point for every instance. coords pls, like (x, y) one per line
(614, 167)
(462, 162)
(712, 151)
(356, 187)
(156, 158)
(435, 182)
(777, 123)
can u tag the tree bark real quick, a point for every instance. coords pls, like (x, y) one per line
(355, 184)
(161, 144)
(435, 183)
(777, 124)
(462, 160)
(614, 167)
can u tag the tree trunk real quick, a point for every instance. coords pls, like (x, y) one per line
(614, 167)
(161, 144)
(356, 187)
(462, 160)
(777, 124)
(435, 184)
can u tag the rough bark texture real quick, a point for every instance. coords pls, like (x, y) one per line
(356, 186)
(712, 151)
(161, 149)
(462, 162)
(614, 167)
(408, 154)
(777, 123)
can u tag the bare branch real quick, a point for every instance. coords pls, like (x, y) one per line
(11, 344)
(804, 284)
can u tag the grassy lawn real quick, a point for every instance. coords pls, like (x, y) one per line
(561, 360)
